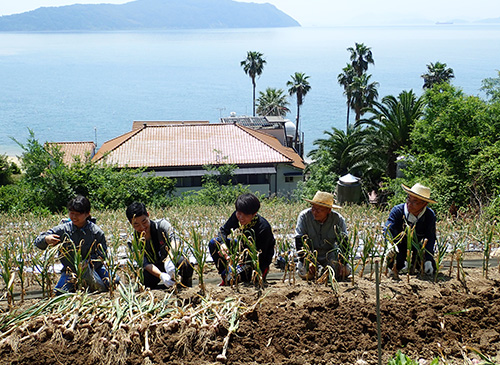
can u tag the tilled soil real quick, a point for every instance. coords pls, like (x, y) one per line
(301, 323)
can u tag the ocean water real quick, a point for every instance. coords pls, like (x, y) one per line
(92, 86)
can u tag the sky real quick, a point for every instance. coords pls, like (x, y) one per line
(333, 12)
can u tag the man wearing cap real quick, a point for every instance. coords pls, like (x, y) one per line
(414, 213)
(325, 232)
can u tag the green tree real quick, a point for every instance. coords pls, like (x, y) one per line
(7, 169)
(218, 187)
(484, 171)
(361, 57)
(298, 86)
(347, 150)
(45, 174)
(358, 89)
(363, 93)
(342, 152)
(319, 175)
(454, 130)
(437, 73)
(48, 183)
(491, 86)
(253, 66)
(273, 102)
(394, 119)
(345, 80)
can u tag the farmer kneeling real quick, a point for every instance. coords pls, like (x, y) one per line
(324, 231)
(233, 255)
(414, 214)
(82, 251)
(159, 239)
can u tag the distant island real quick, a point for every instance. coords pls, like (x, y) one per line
(149, 14)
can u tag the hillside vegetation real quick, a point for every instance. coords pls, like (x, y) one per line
(149, 14)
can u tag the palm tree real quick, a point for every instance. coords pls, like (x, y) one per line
(394, 119)
(361, 57)
(354, 151)
(363, 94)
(436, 74)
(300, 87)
(253, 66)
(345, 80)
(346, 150)
(272, 102)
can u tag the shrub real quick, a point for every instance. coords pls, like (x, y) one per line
(48, 183)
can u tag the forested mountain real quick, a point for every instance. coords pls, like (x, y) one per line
(149, 14)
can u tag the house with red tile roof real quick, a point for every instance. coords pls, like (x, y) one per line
(82, 150)
(180, 150)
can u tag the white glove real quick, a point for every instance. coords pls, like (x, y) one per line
(301, 269)
(428, 268)
(169, 267)
(166, 279)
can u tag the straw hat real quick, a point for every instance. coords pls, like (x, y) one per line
(323, 199)
(419, 191)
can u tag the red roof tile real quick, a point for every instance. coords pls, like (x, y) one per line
(71, 149)
(138, 124)
(195, 145)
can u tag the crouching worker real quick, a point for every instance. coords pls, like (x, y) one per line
(82, 249)
(256, 229)
(325, 233)
(414, 213)
(159, 237)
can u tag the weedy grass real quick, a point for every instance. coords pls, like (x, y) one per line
(402, 359)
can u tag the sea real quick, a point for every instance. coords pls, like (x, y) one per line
(91, 86)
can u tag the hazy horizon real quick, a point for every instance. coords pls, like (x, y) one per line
(330, 13)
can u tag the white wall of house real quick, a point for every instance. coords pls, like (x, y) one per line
(261, 189)
(283, 183)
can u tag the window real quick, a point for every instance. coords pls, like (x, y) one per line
(188, 182)
(289, 179)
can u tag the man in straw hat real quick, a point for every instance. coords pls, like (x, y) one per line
(414, 213)
(325, 232)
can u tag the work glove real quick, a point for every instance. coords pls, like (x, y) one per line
(306, 274)
(169, 267)
(166, 280)
(301, 269)
(280, 263)
(428, 268)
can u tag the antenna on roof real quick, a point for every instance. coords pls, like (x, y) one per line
(95, 135)
(220, 111)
